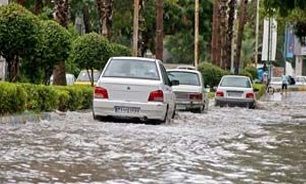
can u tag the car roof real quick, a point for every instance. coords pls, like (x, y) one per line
(187, 67)
(134, 58)
(183, 70)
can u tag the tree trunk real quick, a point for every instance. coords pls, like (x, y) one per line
(62, 17)
(159, 30)
(223, 29)
(215, 52)
(141, 38)
(39, 6)
(86, 17)
(21, 2)
(242, 16)
(13, 68)
(105, 10)
(229, 35)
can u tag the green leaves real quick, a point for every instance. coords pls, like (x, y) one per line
(91, 51)
(18, 31)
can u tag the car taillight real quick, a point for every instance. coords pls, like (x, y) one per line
(250, 95)
(220, 93)
(101, 93)
(196, 96)
(156, 96)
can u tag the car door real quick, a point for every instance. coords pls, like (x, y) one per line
(168, 92)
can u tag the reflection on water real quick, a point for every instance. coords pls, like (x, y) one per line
(226, 145)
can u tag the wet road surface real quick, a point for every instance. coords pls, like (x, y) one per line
(225, 145)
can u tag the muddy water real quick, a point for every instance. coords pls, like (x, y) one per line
(225, 145)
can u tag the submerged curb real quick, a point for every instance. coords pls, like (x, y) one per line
(24, 117)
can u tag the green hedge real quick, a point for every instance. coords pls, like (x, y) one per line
(212, 74)
(18, 97)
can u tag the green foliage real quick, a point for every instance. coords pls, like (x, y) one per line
(250, 71)
(16, 98)
(120, 50)
(261, 88)
(18, 32)
(54, 46)
(12, 97)
(91, 51)
(211, 73)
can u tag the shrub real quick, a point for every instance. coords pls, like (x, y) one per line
(211, 74)
(12, 97)
(16, 98)
(251, 71)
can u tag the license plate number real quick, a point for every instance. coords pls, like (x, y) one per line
(234, 94)
(127, 110)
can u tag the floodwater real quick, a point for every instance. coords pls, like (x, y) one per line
(226, 145)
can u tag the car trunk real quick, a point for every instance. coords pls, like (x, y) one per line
(136, 90)
(182, 92)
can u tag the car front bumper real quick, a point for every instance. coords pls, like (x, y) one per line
(146, 111)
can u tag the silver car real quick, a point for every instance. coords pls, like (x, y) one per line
(134, 87)
(191, 94)
(235, 90)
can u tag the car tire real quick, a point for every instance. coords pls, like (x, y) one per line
(167, 118)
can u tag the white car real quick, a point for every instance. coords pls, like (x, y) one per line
(235, 90)
(300, 80)
(191, 94)
(134, 87)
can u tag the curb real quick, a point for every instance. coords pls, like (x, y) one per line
(24, 117)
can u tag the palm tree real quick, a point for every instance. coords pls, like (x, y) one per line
(105, 10)
(61, 15)
(215, 52)
(242, 18)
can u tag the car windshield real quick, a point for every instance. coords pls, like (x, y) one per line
(83, 76)
(129, 68)
(186, 78)
(239, 82)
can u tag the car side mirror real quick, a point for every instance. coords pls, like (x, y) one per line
(175, 83)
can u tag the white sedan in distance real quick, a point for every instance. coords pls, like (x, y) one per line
(191, 94)
(134, 87)
(235, 90)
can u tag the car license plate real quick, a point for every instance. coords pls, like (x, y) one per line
(127, 110)
(234, 94)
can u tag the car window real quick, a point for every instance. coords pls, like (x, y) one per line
(83, 76)
(128, 68)
(186, 78)
(235, 82)
(166, 79)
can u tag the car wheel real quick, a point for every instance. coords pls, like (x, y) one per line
(174, 112)
(167, 118)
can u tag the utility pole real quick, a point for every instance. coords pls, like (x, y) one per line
(159, 29)
(135, 27)
(196, 34)
(257, 33)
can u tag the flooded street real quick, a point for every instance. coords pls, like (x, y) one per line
(226, 145)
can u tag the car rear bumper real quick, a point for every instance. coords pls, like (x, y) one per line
(245, 102)
(147, 111)
(188, 105)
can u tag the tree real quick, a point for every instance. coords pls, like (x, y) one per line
(91, 51)
(120, 50)
(61, 15)
(105, 10)
(19, 35)
(54, 46)
(242, 19)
